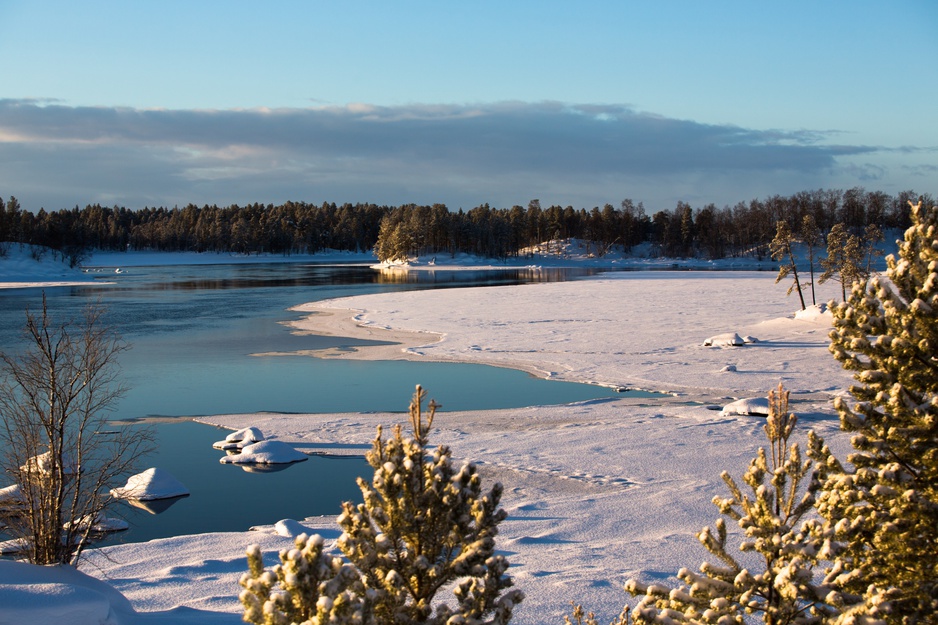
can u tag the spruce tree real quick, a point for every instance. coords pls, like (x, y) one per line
(783, 590)
(883, 511)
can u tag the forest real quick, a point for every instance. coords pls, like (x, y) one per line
(398, 232)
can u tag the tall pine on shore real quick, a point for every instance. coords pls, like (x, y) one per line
(882, 512)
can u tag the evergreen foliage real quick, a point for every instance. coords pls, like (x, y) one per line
(314, 587)
(781, 249)
(395, 233)
(811, 239)
(883, 512)
(424, 526)
(773, 520)
(844, 262)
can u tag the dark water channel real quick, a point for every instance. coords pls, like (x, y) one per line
(192, 330)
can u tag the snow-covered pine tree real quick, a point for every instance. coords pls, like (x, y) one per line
(783, 590)
(426, 526)
(308, 587)
(883, 512)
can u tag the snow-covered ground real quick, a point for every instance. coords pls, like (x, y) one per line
(596, 492)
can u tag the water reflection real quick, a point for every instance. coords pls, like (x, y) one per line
(154, 506)
(474, 277)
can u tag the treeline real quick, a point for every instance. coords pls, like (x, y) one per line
(746, 229)
(409, 230)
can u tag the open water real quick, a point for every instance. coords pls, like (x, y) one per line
(193, 330)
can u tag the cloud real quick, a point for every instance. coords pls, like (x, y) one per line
(464, 155)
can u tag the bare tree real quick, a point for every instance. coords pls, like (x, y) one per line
(54, 400)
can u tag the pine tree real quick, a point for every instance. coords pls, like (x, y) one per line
(833, 264)
(424, 526)
(811, 238)
(781, 248)
(772, 518)
(314, 587)
(872, 235)
(844, 260)
(883, 512)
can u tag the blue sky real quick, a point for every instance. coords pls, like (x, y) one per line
(574, 103)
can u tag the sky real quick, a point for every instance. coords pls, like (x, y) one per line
(573, 103)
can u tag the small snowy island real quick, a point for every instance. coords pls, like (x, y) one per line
(150, 485)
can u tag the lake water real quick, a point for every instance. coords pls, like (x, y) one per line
(193, 329)
(226, 498)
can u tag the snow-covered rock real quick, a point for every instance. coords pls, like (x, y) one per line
(291, 528)
(154, 483)
(818, 312)
(240, 439)
(42, 463)
(265, 452)
(729, 339)
(101, 524)
(11, 495)
(753, 406)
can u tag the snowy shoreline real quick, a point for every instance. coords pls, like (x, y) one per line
(596, 491)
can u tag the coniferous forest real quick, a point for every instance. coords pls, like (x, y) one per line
(397, 232)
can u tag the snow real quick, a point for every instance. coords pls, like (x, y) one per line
(265, 452)
(596, 492)
(152, 484)
(727, 339)
(28, 266)
(64, 594)
(11, 495)
(292, 528)
(748, 406)
(101, 524)
(239, 439)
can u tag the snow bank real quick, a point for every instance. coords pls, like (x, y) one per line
(29, 266)
(44, 595)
